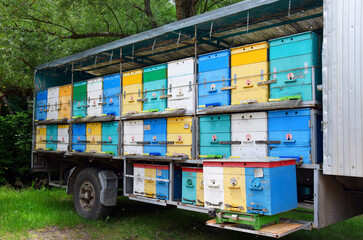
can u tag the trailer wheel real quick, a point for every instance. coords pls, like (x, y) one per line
(86, 195)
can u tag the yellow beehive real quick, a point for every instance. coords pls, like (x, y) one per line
(234, 188)
(200, 189)
(65, 101)
(93, 137)
(150, 185)
(179, 131)
(249, 71)
(132, 91)
(41, 135)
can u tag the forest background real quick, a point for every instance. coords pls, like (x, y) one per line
(33, 32)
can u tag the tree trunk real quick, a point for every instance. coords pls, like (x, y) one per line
(184, 8)
(149, 13)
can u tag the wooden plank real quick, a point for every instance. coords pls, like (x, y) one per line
(93, 119)
(265, 106)
(280, 228)
(172, 113)
(52, 121)
(87, 154)
(153, 158)
(275, 230)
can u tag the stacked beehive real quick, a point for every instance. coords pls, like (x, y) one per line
(242, 141)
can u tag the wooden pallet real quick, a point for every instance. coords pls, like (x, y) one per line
(281, 229)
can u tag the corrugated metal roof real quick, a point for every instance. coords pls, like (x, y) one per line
(238, 24)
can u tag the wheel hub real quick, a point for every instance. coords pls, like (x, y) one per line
(87, 196)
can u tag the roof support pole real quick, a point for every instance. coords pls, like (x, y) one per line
(194, 146)
(120, 127)
(70, 131)
(195, 70)
(33, 122)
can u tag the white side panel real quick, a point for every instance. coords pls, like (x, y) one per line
(95, 97)
(139, 185)
(53, 101)
(181, 89)
(249, 128)
(343, 88)
(133, 133)
(213, 187)
(181, 67)
(63, 139)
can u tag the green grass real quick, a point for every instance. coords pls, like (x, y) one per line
(25, 210)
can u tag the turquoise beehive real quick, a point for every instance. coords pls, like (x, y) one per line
(215, 136)
(189, 185)
(52, 134)
(110, 137)
(295, 64)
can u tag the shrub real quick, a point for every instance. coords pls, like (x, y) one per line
(15, 147)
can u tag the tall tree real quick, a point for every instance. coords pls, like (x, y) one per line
(36, 31)
(189, 8)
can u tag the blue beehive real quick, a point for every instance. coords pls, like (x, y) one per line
(297, 133)
(162, 188)
(52, 136)
(154, 87)
(79, 137)
(215, 135)
(41, 108)
(155, 136)
(296, 61)
(111, 95)
(270, 187)
(110, 137)
(213, 76)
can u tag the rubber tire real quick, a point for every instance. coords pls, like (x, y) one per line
(98, 210)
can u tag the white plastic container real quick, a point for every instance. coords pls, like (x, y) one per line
(180, 84)
(133, 133)
(63, 138)
(247, 128)
(213, 187)
(139, 184)
(53, 103)
(94, 97)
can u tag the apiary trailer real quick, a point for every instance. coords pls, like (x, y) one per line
(326, 160)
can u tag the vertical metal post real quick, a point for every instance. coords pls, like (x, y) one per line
(120, 125)
(194, 128)
(314, 134)
(195, 141)
(120, 130)
(171, 181)
(124, 178)
(316, 198)
(33, 122)
(121, 78)
(195, 71)
(197, 147)
(313, 83)
(70, 131)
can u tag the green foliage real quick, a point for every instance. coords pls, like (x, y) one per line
(15, 147)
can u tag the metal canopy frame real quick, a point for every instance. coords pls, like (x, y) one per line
(235, 25)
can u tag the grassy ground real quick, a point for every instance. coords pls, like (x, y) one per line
(36, 214)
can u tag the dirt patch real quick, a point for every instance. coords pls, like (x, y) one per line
(69, 233)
